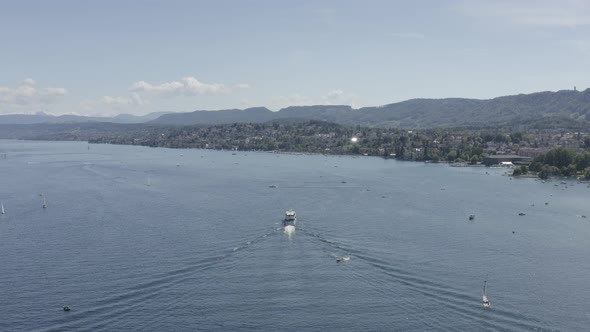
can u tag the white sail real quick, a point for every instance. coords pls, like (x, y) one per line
(2, 208)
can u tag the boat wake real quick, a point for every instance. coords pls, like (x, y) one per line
(289, 230)
(116, 307)
(389, 278)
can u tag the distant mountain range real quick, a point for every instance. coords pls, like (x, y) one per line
(41, 117)
(567, 108)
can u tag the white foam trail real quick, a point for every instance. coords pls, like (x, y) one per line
(289, 230)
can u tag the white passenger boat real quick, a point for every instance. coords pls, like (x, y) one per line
(290, 218)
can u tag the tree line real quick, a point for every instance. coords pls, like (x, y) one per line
(562, 162)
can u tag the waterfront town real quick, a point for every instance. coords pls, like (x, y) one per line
(452, 145)
(458, 146)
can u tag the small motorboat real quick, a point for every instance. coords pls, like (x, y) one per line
(471, 217)
(67, 308)
(521, 214)
(341, 259)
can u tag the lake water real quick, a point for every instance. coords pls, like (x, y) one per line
(151, 239)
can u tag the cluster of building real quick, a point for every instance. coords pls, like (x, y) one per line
(469, 146)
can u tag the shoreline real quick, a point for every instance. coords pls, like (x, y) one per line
(295, 153)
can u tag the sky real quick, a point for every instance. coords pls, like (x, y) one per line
(103, 58)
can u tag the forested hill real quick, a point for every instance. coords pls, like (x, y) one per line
(542, 109)
(255, 114)
(566, 108)
(41, 117)
(561, 109)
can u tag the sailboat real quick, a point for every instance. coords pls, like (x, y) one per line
(44, 201)
(486, 301)
(2, 204)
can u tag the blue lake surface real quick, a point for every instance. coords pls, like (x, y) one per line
(152, 239)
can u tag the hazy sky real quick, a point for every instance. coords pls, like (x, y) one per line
(108, 57)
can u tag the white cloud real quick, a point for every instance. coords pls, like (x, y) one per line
(192, 87)
(294, 99)
(245, 103)
(29, 81)
(137, 99)
(339, 97)
(187, 86)
(333, 97)
(133, 99)
(56, 91)
(143, 86)
(563, 13)
(243, 86)
(108, 100)
(27, 94)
